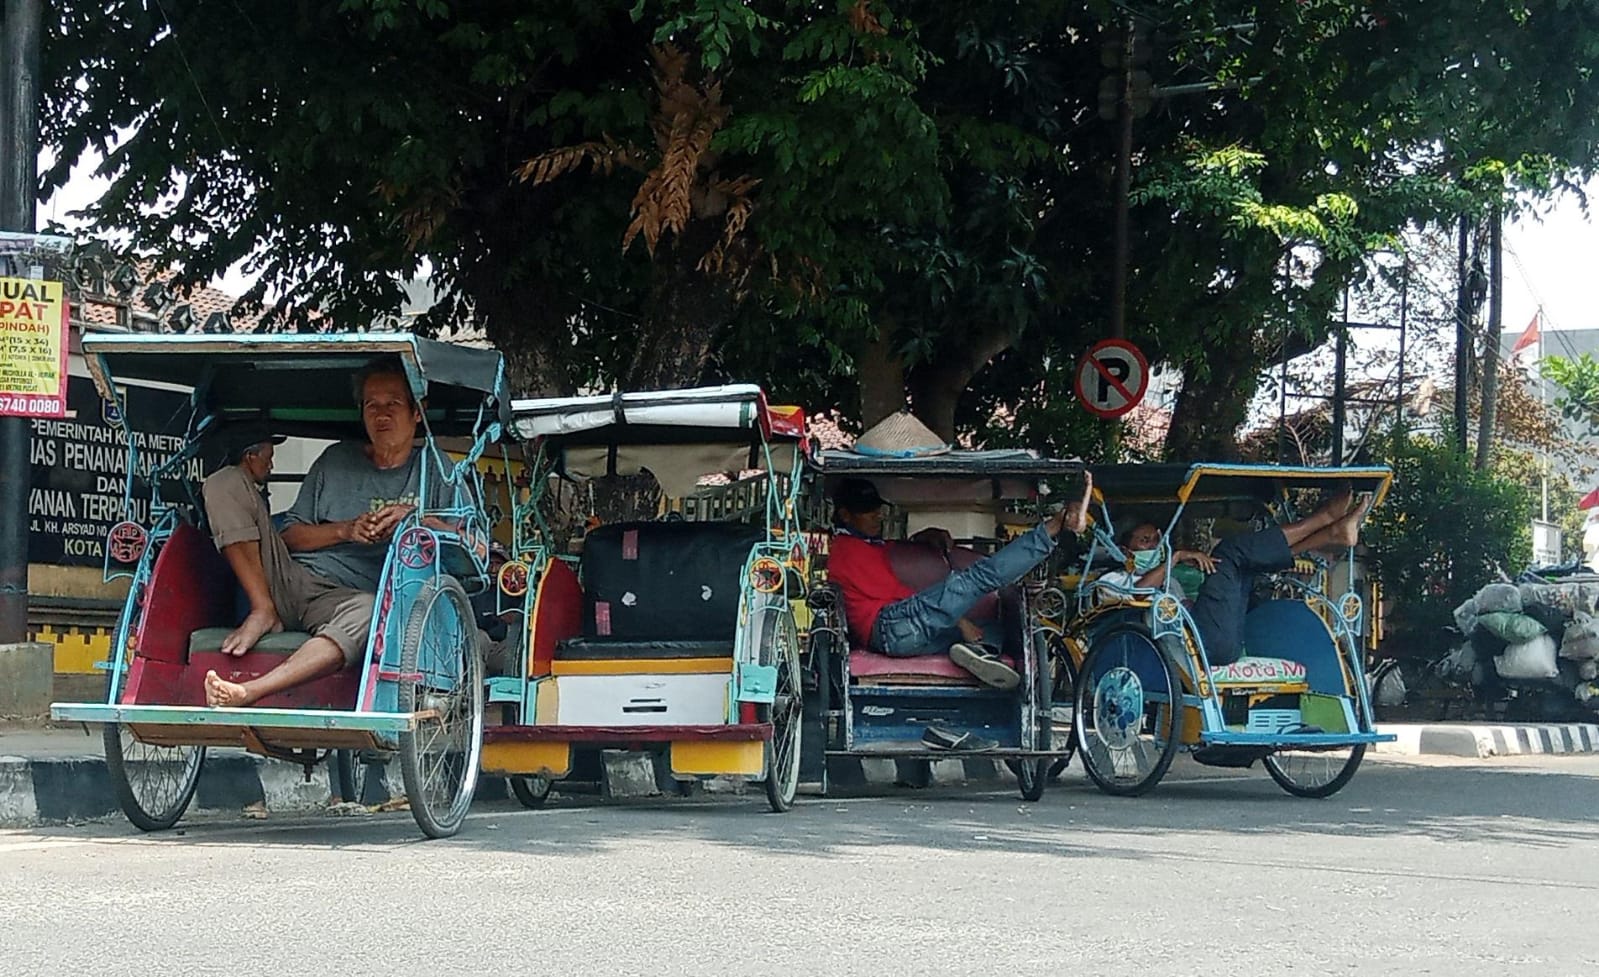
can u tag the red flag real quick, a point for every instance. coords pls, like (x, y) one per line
(1529, 336)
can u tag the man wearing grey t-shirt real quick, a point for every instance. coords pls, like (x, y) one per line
(356, 494)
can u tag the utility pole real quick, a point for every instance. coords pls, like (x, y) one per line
(1124, 177)
(19, 163)
(1340, 386)
(1462, 333)
(1490, 346)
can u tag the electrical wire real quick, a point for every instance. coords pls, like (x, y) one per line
(189, 69)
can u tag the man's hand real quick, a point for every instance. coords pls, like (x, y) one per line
(375, 527)
(1203, 561)
(938, 539)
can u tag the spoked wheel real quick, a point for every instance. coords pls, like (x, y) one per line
(532, 791)
(154, 784)
(1032, 776)
(1388, 687)
(1063, 706)
(441, 676)
(1129, 698)
(783, 749)
(1317, 773)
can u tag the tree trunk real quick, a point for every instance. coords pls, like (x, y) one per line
(1490, 347)
(688, 308)
(1209, 411)
(881, 372)
(936, 387)
(1462, 334)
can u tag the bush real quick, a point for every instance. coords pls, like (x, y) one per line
(1444, 532)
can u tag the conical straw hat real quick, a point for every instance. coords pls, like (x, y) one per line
(900, 435)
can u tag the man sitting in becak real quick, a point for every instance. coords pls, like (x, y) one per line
(891, 618)
(1221, 601)
(282, 592)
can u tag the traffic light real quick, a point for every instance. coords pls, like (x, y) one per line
(1115, 50)
(1129, 53)
(1142, 95)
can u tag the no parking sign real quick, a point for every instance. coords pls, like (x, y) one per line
(1112, 378)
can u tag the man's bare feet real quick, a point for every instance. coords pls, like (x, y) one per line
(1071, 518)
(1345, 532)
(1073, 515)
(254, 628)
(1337, 505)
(219, 692)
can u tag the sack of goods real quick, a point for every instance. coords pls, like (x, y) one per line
(1511, 627)
(1498, 597)
(1581, 639)
(1529, 660)
(1543, 631)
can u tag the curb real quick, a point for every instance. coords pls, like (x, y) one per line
(1482, 741)
(74, 789)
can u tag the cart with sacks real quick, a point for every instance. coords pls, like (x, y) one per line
(417, 693)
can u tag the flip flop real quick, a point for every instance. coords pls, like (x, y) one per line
(956, 742)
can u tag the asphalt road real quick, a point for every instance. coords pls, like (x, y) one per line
(1440, 867)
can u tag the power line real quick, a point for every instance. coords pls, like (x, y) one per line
(189, 69)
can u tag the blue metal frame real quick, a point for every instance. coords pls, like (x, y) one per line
(754, 679)
(1166, 616)
(455, 531)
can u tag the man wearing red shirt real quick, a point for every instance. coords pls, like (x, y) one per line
(904, 623)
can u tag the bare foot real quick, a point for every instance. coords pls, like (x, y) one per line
(222, 693)
(244, 637)
(1346, 531)
(1071, 517)
(1337, 506)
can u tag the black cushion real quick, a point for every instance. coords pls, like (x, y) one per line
(664, 581)
(601, 649)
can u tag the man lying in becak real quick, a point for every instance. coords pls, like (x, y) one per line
(1222, 599)
(896, 620)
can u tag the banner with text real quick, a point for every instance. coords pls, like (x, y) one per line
(80, 470)
(33, 348)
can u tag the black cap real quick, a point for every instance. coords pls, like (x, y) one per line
(857, 495)
(235, 439)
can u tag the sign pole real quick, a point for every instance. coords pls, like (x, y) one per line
(19, 162)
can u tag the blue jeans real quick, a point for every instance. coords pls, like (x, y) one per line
(924, 623)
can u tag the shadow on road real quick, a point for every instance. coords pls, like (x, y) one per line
(1192, 809)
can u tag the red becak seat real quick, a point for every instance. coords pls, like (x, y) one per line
(920, 567)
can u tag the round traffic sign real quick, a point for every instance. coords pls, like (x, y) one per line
(1112, 378)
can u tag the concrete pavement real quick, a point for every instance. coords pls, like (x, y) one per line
(1433, 866)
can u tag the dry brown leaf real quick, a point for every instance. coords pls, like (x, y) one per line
(864, 21)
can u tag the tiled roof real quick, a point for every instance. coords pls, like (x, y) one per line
(827, 432)
(101, 309)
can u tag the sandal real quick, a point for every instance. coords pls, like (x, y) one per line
(956, 742)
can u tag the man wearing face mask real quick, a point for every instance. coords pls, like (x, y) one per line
(889, 617)
(1221, 597)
